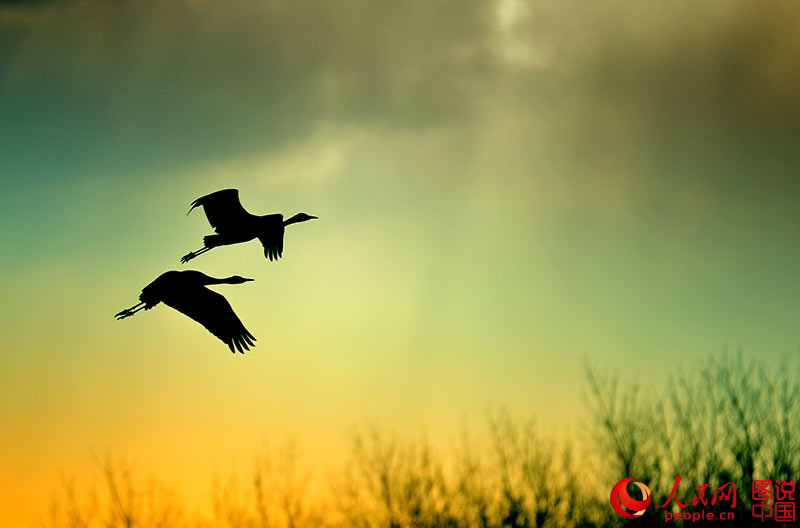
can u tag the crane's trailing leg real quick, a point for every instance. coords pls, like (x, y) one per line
(189, 256)
(127, 312)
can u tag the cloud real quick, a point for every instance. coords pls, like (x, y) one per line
(612, 95)
(187, 79)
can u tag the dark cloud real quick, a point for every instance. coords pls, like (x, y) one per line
(182, 80)
(673, 105)
(23, 2)
(664, 88)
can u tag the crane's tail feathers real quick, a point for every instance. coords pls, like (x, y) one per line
(189, 256)
(127, 312)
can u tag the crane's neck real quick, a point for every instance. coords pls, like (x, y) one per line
(293, 220)
(213, 280)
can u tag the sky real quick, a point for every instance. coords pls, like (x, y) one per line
(506, 190)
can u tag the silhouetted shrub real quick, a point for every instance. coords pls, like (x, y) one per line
(729, 421)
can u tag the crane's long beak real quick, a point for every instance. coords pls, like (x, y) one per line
(246, 279)
(312, 217)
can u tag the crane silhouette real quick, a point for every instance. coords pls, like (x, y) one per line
(186, 292)
(234, 225)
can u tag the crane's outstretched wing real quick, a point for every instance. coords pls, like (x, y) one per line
(223, 209)
(271, 236)
(213, 311)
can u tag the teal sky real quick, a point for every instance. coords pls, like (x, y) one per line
(505, 190)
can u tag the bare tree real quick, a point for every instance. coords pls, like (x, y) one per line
(728, 421)
(129, 503)
(387, 484)
(278, 495)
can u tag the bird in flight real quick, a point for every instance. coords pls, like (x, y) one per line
(186, 292)
(234, 224)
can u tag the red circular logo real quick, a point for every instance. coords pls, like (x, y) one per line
(624, 504)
